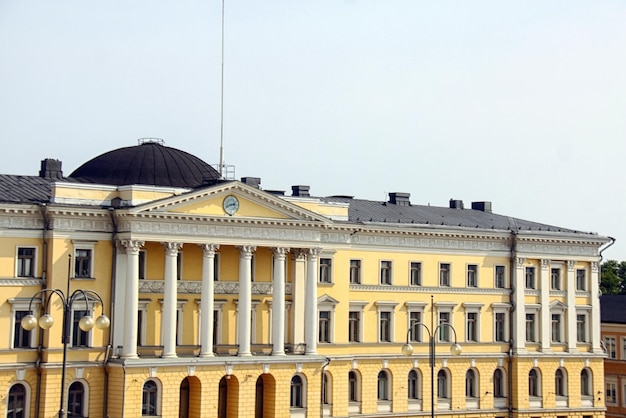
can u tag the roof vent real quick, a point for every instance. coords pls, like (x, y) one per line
(252, 181)
(400, 199)
(276, 192)
(482, 206)
(51, 169)
(456, 204)
(301, 191)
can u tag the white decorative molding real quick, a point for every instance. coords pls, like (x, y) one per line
(266, 368)
(80, 372)
(565, 249)
(153, 371)
(20, 374)
(195, 287)
(429, 290)
(355, 364)
(191, 370)
(385, 364)
(21, 282)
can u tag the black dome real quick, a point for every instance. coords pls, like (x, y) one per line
(150, 164)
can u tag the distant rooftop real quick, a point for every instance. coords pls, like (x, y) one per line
(612, 309)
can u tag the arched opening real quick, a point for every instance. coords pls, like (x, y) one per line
(16, 404)
(76, 406)
(259, 398)
(183, 408)
(228, 397)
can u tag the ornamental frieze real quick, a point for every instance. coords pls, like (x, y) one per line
(555, 249)
(429, 290)
(195, 287)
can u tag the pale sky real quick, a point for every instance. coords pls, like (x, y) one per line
(521, 103)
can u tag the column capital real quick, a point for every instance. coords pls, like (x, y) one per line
(519, 261)
(595, 266)
(313, 252)
(570, 265)
(246, 250)
(209, 249)
(280, 252)
(171, 248)
(129, 246)
(298, 254)
(545, 263)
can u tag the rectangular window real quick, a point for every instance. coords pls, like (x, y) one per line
(581, 279)
(25, 262)
(624, 353)
(385, 326)
(325, 270)
(354, 326)
(581, 328)
(611, 393)
(444, 331)
(21, 337)
(82, 264)
(142, 265)
(530, 328)
(444, 274)
(500, 325)
(530, 278)
(472, 327)
(385, 272)
(415, 273)
(355, 271)
(216, 267)
(500, 281)
(556, 328)
(179, 266)
(555, 279)
(415, 318)
(324, 327)
(79, 337)
(611, 347)
(472, 275)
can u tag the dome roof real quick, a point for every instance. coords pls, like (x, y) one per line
(149, 163)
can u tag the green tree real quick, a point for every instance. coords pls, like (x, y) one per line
(613, 277)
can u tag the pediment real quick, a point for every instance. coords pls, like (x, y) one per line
(252, 203)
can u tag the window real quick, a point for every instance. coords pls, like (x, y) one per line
(324, 327)
(80, 338)
(149, 399)
(444, 331)
(354, 326)
(581, 279)
(472, 275)
(472, 327)
(611, 347)
(26, 262)
(179, 266)
(556, 328)
(413, 384)
(498, 384)
(385, 272)
(555, 278)
(327, 389)
(384, 326)
(560, 388)
(355, 271)
(142, 265)
(471, 384)
(16, 402)
(353, 387)
(325, 270)
(500, 326)
(585, 383)
(444, 274)
(530, 327)
(442, 384)
(530, 278)
(611, 393)
(76, 400)
(296, 398)
(21, 337)
(533, 383)
(216, 267)
(581, 328)
(415, 273)
(383, 386)
(415, 318)
(82, 263)
(500, 279)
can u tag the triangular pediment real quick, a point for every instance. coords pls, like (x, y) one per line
(245, 202)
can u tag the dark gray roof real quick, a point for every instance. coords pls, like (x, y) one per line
(612, 309)
(24, 189)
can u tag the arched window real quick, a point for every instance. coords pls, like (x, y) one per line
(534, 383)
(471, 384)
(442, 384)
(297, 392)
(585, 382)
(414, 385)
(16, 404)
(327, 392)
(353, 387)
(498, 384)
(560, 383)
(383, 386)
(76, 406)
(149, 399)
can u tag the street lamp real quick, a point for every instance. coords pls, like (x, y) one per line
(455, 349)
(86, 323)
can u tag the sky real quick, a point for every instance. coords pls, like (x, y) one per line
(521, 103)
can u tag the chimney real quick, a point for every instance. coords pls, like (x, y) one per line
(51, 169)
(252, 181)
(456, 204)
(400, 198)
(301, 191)
(482, 206)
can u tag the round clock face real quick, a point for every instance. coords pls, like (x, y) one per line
(231, 204)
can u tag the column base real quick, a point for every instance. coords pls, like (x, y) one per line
(248, 354)
(203, 355)
(278, 353)
(169, 356)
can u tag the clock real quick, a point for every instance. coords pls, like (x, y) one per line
(231, 204)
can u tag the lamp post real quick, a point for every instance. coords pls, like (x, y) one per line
(455, 348)
(46, 321)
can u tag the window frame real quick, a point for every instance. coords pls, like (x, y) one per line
(556, 278)
(297, 392)
(33, 263)
(445, 274)
(471, 383)
(84, 404)
(25, 401)
(581, 282)
(414, 385)
(534, 383)
(415, 309)
(386, 273)
(386, 308)
(610, 341)
(499, 384)
(22, 305)
(560, 382)
(443, 384)
(530, 276)
(471, 275)
(499, 276)
(584, 314)
(415, 273)
(84, 246)
(610, 392)
(357, 307)
(355, 271)
(325, 267)
(157, 395)
(384, 388)
(354, 386)
(586, 383)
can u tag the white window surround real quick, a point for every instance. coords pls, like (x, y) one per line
(271, 313)
(26, 386)
(218, 308)
(359, 306)
(159, 394)
(535, 309)
(446, 307)
(180, 303)
(388, 276)
(504, 308)
(416, 307)
(326, 303)
(610, 391)
(325, 264)
(253, 320)
(472, 308)
(35, 266)
(472, 269)
(386, 306)
(558, 265)
(558, 308)
(420, 266)
(586, 311)
(85, 405)
(447, 280)
(505, 283)
(22, 304)
(143, 307)
(142, 264)
(90, 307)
(84, 245)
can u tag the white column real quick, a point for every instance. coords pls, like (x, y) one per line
(594, 325)
(119, 298)
(544, 273)
(129, 350)
(571, 306)
(278, 302)
(207, 299)
(519, 316)
(297, 293)
(244, 318)
(310, 303)
(170, 298)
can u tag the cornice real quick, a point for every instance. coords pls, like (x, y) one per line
(20, 282)
(429, 290)
(195, 287)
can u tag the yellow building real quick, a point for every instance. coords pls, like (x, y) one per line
(227, 300)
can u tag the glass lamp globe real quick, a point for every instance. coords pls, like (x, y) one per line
(86, 323)
(103, 322)
(407, 349)
(29, 322)
(456, 349)
(46, 321)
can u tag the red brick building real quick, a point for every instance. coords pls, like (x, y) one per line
(613, 308)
